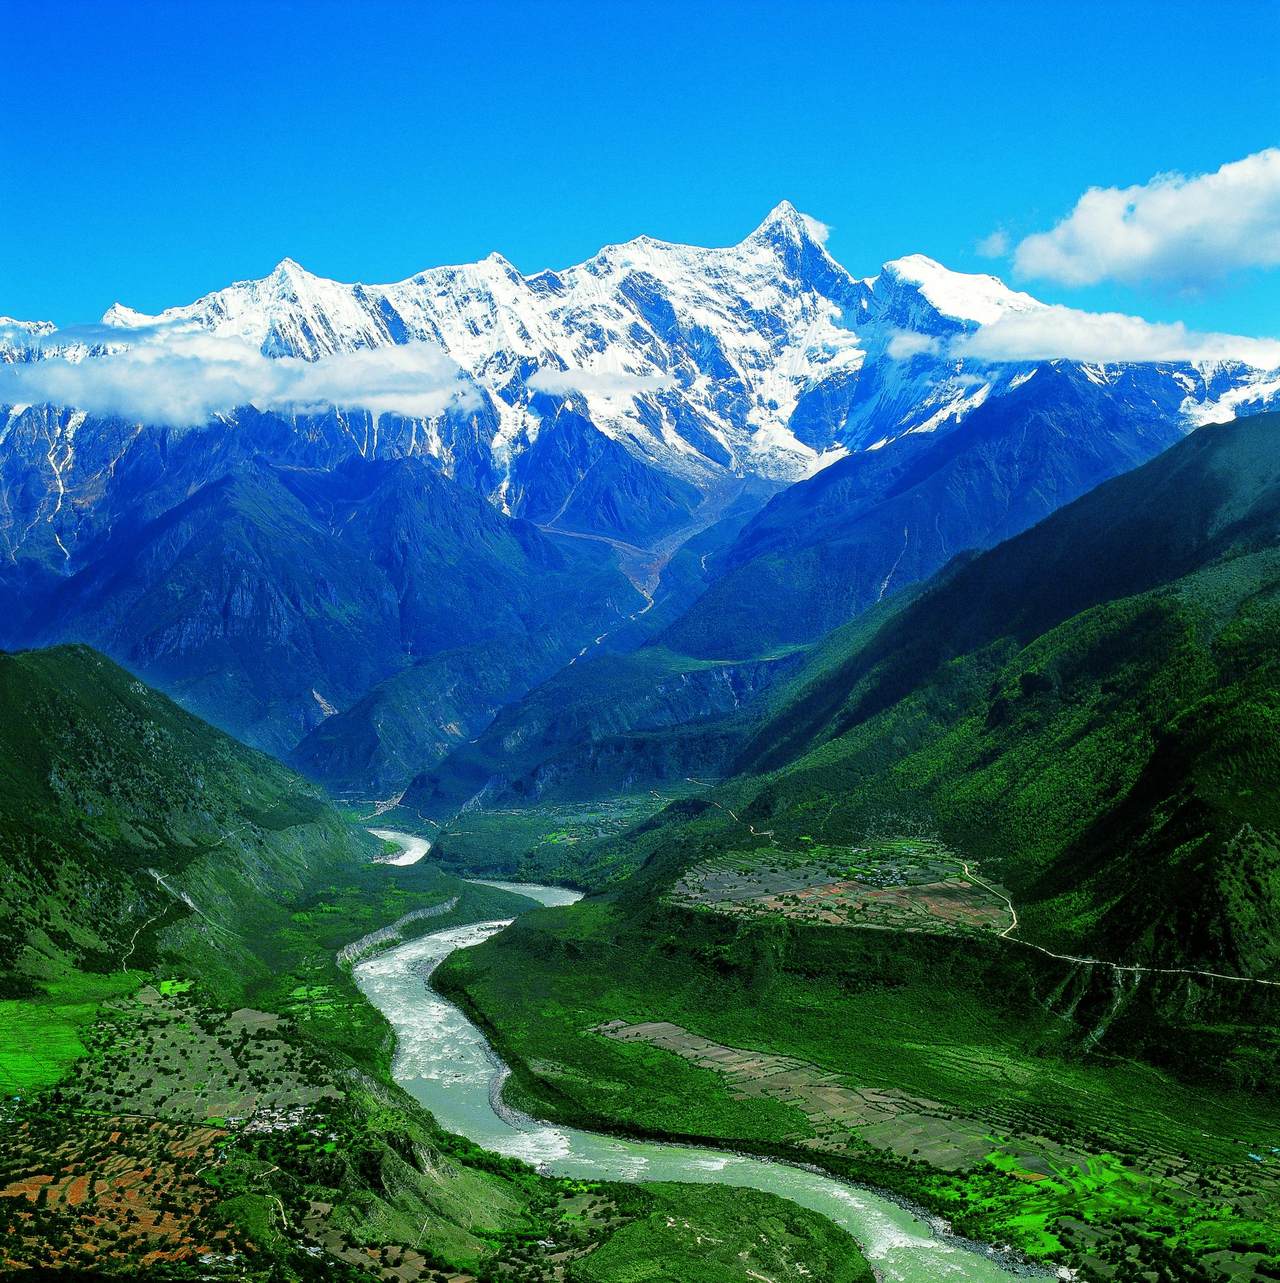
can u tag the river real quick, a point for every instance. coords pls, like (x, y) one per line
(445, 1062)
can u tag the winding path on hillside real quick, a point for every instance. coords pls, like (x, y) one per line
(1126, 968)
(1129, 968)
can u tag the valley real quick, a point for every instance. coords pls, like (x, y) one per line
(857, 950)
(194, 1085)
(922, 1080)
(950, 929)
(701, 764)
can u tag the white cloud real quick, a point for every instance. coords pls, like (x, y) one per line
(1173, 229)
(905, 344)
(1048, 333)
(603, 383)
(818, 231)
(181, 375)
(996, 245)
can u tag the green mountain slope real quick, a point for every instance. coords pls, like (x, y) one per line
(826, 549)
(174, 903)
(1088, 708)
(613, 724)
(114, 803)
(999, 879)
(414, 716)
(819, 554)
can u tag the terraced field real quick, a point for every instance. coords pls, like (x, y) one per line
(900, 884)
(839, 1115)
(163, 1092)
(184, 1138)
(69, 1194)
(987, 1151)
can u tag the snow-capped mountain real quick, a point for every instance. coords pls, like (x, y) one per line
(19, 340)
(693, 357)
(698, 359)
(661, 370)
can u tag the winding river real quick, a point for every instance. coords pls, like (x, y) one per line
(446, 1063)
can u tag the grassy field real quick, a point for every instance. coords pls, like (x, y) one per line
(44, 1036)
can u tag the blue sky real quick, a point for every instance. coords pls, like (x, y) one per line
(155, 151)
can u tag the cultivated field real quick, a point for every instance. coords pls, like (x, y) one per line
(901, 884)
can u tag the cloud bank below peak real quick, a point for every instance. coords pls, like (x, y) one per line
(1054, 332)
(184, 376)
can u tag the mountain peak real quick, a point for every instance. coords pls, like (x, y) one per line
(786, 223)
(783, 211)
(26, 327)
(125, 317)
(914, 267)
(289, 269)
(965, 296)
(501, 262)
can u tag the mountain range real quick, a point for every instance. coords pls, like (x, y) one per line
(601, 475)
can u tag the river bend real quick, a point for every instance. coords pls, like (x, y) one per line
(444, 1061)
